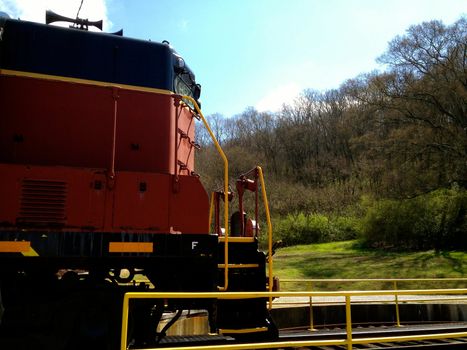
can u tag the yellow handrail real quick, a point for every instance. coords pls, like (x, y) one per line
(268, 220)
(349, 341)
(392, 280)
(226, 191)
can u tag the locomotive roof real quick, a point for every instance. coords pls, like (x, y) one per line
(51, 50)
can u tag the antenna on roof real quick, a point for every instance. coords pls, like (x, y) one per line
(79, 9)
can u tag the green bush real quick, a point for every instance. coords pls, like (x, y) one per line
(346, 227)
(434, 220)
(314, 228)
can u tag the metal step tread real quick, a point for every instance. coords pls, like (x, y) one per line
(198, 340)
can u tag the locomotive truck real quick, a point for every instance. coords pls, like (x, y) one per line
(98, 185)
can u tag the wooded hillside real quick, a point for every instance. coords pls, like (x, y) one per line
(398, 134)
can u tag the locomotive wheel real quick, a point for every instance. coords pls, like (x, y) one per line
(29, 316)
(94, 318)
(69, 314)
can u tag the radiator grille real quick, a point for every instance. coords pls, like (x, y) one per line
(43, 202)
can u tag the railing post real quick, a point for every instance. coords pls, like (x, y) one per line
(124, 335)
(396, 298)
(348, 322)
(269, 224)
(312, 327)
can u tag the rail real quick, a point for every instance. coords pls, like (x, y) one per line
(348, 341)
(309, 282)
(226, 190)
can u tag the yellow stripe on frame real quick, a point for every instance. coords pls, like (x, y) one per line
(238, 239)
(131, 247)
(31, 252)
(8, 72)
(15, 246)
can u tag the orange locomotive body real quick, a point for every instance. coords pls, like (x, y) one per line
(123, 160)
(118, 150)
(97, 185)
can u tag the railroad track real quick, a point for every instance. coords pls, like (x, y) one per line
(451, 344)
(386, 332)
(291, 339)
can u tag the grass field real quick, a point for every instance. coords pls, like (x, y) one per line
(347, 260)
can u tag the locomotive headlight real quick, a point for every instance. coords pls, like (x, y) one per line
(179, 63)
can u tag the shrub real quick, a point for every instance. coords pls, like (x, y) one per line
(314, 228)
(434, 220)
(346, 227)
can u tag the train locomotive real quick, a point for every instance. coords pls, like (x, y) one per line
(98, 184)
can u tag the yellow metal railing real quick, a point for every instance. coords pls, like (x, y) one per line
(310, 282)
(225, 238)
(226, 190)
(349, 341)
(269, 223)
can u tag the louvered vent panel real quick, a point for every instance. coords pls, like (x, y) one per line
(43, 202)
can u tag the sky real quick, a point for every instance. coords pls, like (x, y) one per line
(259, 53)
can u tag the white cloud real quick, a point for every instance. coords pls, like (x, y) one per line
(302, 75)
(34, 10)
(183, 24)
(275, 98)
